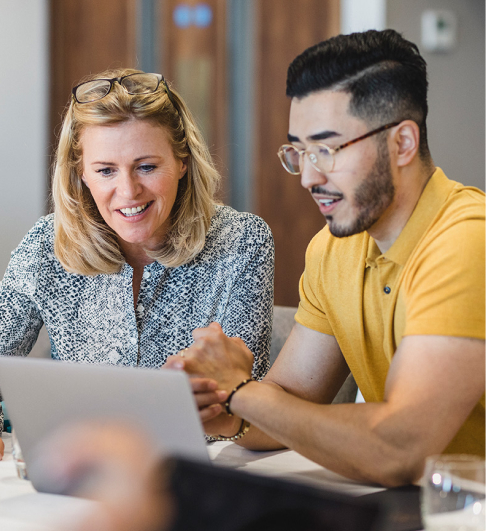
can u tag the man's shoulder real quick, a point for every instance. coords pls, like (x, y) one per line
(462, 214)
(465, 202)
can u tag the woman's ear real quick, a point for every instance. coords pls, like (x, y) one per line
(183, 170)
(83, 178)
(406, 139)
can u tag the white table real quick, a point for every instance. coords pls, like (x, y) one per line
(24, 509)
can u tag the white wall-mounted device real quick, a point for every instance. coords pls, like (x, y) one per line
(439, 30)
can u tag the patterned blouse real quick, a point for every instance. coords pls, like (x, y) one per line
(92, 319)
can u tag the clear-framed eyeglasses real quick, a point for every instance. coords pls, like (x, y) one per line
(138, 83)
(320, 156)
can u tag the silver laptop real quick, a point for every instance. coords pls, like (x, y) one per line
(43, 395)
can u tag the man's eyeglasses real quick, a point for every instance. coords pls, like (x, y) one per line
(320, 156)
(139, 83)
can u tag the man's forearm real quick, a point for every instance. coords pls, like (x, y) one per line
(346, 438)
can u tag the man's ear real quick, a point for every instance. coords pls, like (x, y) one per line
(406, 140)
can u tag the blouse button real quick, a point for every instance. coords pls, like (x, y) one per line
(133, 340)
(147, 274)
(387, 290)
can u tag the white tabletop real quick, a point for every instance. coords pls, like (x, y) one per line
(285, 464)
(24, 509)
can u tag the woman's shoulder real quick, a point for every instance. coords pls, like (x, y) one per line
(43, 227)
(229, 223)
(30, 256)
(38, 241)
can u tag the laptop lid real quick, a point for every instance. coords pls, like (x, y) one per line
(43, 395)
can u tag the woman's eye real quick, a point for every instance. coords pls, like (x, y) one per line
(147, 168)
(105, 172)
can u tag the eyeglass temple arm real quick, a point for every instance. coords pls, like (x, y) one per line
(370, 133)
(169, 93)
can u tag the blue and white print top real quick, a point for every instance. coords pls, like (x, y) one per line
(92, 319)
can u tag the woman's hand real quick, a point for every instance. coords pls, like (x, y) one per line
(209, 399)
(216, 365)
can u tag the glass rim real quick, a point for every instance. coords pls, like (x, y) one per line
(446, 461)
(285, 148)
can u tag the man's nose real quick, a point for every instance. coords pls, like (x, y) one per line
(309, 176)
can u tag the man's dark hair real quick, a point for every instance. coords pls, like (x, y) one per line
(384, 73)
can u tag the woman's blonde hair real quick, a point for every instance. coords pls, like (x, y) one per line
(84, 243)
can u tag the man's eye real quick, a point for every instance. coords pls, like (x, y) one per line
(105, 172)
(323, 150)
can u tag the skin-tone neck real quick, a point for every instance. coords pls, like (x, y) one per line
(410, 181)
(410, 174)
(137, 259)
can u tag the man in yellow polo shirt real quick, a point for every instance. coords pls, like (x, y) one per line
(393, 287)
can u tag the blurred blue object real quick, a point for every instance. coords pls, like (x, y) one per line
(182, 15)
(202, 15)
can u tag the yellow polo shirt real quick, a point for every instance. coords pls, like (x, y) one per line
(431, 281)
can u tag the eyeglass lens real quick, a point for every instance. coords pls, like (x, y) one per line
(93, 90)
(318, 154)
(133, 84)
(140, 83)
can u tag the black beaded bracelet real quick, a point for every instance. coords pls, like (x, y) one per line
(239, 386)
(244, 427)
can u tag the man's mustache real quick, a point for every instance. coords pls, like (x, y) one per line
(322, 191)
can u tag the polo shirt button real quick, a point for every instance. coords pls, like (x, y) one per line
(387, 290)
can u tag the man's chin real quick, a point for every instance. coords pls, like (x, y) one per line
(338, 231)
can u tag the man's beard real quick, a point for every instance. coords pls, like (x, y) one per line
(372, 197)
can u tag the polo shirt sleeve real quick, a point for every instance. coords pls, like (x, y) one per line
(310, 312)
(443, 290)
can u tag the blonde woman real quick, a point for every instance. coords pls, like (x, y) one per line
(137, 253)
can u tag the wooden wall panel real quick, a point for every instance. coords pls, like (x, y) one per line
(87, 36)
(286, 28)
(91, 35)
(194, 59)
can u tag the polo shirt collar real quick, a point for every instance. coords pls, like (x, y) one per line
(427, 207)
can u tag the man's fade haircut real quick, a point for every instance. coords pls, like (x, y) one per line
(384, 73)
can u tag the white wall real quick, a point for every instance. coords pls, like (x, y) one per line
(23, 119)
(456, 86)
(456, 79)
(362, 15)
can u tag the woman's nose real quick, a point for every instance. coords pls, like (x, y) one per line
(128, 186)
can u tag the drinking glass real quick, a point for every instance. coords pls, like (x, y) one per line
(453, 493)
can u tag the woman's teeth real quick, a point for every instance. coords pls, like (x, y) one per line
(133, 211)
